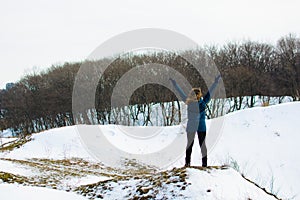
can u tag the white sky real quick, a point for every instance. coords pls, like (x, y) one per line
(39, 33)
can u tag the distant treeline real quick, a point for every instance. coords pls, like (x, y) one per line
(43, 100)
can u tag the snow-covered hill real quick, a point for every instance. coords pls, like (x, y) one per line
(260, 143)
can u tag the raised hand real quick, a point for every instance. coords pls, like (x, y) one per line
(172, 80)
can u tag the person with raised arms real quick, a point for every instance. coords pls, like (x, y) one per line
(196, 106)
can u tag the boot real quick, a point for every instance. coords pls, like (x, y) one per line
(187, 165)
(187, 161)
(204, 161)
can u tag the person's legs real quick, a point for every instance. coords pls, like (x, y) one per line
(189, 147)
(201, 138)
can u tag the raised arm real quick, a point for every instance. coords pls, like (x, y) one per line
(211, 90)
(179, 90)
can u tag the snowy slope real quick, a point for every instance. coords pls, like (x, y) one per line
(15, 192)
(263, 143)
(180, 183)
(57, 143)
(260, 143)
(221, 184)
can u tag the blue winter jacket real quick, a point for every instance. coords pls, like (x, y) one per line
(196, 110)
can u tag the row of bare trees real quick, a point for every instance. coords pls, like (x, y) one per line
(43, 100)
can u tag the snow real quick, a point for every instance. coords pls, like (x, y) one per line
(158, 137)
(9, 167)
(4, 141)
(222, 184)
(260, 143)
(6, 136)
(15, 192)
(264, 142)
(78, 181)
(59, 143)
(6, 133)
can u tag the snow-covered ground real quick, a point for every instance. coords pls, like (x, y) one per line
(57, 143)
(260, 143)
(222, 185)
(14, 192)
(4, 141)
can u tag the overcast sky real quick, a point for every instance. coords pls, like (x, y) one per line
(34, 34)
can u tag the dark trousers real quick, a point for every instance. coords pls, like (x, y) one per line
(190, 143)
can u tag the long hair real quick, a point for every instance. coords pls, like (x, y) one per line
(192, 97)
